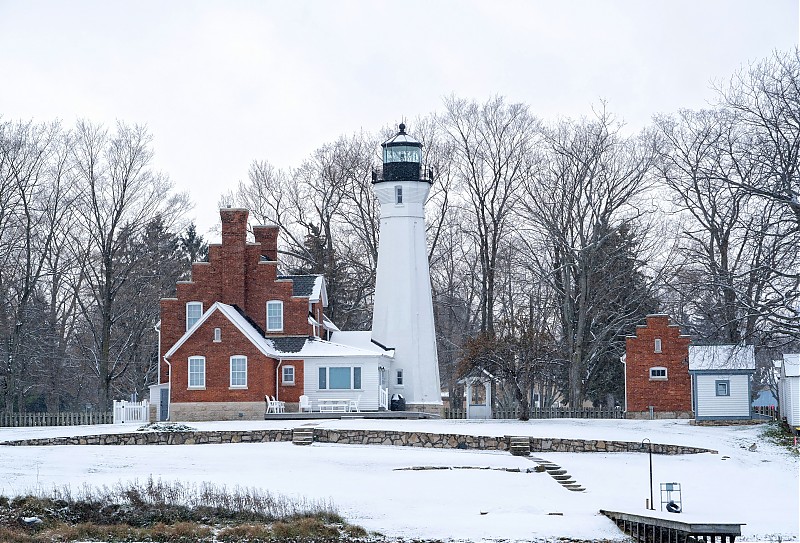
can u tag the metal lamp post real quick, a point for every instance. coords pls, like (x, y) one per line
(650, 455)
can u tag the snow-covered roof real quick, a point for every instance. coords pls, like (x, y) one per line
(290, 347)
(791, 365)
(359, 340)
(308, 286)
(239, 320)
(328, 324)
(319, 348)
(721, 357)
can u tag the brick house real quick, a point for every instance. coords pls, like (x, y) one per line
(239, 331)
(657, 371)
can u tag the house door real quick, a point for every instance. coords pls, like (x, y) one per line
(163, 404)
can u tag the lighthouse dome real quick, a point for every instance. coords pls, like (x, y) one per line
(402, 157)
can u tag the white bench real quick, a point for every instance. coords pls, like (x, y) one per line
(333, 405)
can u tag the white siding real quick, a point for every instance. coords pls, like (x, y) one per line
(711, 405)
(789, 392)
(369, 381)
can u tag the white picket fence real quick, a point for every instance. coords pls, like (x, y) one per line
(125, 412)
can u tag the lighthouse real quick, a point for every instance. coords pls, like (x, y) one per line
(403, 308)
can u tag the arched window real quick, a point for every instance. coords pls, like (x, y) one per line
(274, 316)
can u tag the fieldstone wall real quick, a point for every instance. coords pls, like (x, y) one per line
(362, 437)
(162, 438)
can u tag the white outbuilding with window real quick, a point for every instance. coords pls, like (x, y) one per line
(721, 381)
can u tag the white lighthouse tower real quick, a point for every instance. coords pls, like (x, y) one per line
(403, 310)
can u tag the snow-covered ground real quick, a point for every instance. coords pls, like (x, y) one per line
(759, 488)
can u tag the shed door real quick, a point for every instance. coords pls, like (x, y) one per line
(163, 407)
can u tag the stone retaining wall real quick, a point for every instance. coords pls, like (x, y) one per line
(360, 437)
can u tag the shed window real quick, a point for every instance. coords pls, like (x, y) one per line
(194, 310)
(657, 345)
(723, 387)
(658, 374)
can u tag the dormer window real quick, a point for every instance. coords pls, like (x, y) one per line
(398, 194)
(274, 316)
(194, 310)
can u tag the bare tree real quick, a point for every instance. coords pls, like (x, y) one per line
(493, 142)
(581, 197)
(121, 194)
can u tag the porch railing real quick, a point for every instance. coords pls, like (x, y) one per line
(383, 400)
(125, 412)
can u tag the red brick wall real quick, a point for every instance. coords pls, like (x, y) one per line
(260, 368)
(234, 275)
(292, 393)
(675, 393)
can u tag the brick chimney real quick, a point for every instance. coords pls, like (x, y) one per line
(267, 236)
(234, 238)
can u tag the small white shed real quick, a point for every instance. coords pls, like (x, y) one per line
(722, 377)
(478, 393)
(789, 390)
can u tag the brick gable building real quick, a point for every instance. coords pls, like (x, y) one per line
(657, 371)
(239, 331)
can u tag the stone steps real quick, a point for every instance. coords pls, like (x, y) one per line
(559, 474)
(303, 436)
(519, 446)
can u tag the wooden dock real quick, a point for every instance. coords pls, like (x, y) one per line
(660, 530)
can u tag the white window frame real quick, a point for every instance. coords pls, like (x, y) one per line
(658, 369)
(217, 335)
(352, 369)
(399, 378)
(238, 357)
(657, 345)
(284, 380)
(200, 384)
(398, 194)
(193, 304)
(275, 303)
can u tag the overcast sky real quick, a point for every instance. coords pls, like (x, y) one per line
(220, 84)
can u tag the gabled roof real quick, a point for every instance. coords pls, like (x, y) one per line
(240, 321)
(287, 347)
(308, 286)
(360, 340)
(791, 365)
(721, 357)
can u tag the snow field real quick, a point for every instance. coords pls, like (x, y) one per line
(759, 488)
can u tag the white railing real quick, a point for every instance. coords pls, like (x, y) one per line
(383, 401)
(125, 412)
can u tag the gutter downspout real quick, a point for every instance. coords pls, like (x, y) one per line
(625, 374)
(277, 375)
(169, 388)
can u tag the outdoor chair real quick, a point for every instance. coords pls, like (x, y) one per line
(305, 404)
(354, 404)
(274, 406)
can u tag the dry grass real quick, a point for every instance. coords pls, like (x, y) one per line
(169, 511)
